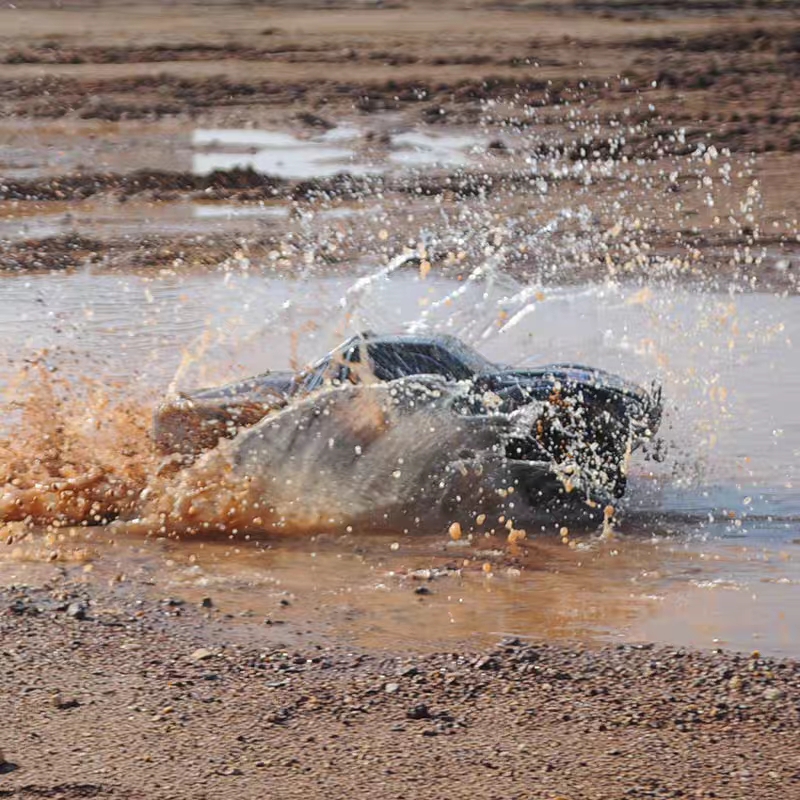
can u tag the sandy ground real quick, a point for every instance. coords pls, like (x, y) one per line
(104, 693)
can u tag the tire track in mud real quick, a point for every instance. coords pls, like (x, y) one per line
(782, 41)
(742, 114)
(289, 54)
(717, 75)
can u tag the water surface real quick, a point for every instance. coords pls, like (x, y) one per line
(707, 551)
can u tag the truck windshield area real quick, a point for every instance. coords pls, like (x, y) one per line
(391, 360)
(397, 357)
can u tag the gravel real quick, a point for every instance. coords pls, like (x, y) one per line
(307, 716)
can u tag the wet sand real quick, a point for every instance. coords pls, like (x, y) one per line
(122, 682)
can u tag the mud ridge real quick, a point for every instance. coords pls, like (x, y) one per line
(166, 95)
(249, 185)
(287, 54)
(711, 272)
(72, 251)
(732, 40)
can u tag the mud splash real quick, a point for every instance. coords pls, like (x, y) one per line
(399, 456)
(381, 455)
(78, 454)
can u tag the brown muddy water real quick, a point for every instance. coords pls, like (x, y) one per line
(707, 551)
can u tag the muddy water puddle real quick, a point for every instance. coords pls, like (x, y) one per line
(345, 148)
(707, 550)
(425, 593)
(384, 148)
(554, 201)
(35, 150)
(108, 219)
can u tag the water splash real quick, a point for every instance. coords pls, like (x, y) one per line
(619, 205)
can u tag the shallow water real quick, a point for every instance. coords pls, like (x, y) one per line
(707, 551)
(341, 149)
(725, 361)
(109, 220)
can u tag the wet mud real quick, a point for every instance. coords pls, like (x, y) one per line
(560, 95)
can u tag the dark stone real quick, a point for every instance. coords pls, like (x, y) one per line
(419, 711)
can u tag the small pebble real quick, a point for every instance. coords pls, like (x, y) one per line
(418, 712)
(391, 688)
(201, 654)
(77, 610)
(63, 703)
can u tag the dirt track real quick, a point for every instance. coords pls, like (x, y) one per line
(107, 698)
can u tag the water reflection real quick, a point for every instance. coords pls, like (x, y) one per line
(181, 218)
(270, 153)
(420, 148)
(230, 211)
(342, 149)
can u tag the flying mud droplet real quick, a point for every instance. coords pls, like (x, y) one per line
(516, 535)
(608, 522)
